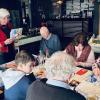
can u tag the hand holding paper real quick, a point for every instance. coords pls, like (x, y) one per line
(8, 41)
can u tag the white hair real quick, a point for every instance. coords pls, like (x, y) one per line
(59, 65)
(4, 12)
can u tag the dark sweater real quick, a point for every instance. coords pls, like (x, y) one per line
(18, 91)
(39, 90)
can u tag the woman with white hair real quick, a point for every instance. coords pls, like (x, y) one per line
(59, 68)
(6, 44)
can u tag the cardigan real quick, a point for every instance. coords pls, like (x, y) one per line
(39, 90)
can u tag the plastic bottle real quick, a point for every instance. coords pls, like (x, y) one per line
(41, 57)
(47, 53)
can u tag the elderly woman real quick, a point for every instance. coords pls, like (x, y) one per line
(59, 68)
(6, 44)
(81, 51)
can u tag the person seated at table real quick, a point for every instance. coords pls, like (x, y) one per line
(95, 77)
(50, 43)
(81, 51)
(58, 70)
(16, 80)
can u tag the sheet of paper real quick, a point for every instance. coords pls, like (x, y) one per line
(15, 32)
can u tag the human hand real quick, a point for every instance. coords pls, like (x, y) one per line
(11, 65)
(76, 63)
(8, 41)
(74, 83)
(79, 63)
(98, 60)
(39, 72)
(0, 45)
(17, 34)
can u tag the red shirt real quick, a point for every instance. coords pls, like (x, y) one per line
(3, 37)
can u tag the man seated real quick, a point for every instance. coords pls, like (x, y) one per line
(50, 42)
(58, 70)
(16, 80)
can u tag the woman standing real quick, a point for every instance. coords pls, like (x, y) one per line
(6, 44)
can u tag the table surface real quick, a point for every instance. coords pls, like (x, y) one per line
(89, 89)
(81, 74)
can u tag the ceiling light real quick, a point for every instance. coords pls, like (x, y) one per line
(59, 2)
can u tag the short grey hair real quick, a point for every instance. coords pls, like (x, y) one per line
(4, 12)
(59, 65)
(23, 57)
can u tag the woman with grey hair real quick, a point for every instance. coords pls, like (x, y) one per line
(6, 44)
(59, 68)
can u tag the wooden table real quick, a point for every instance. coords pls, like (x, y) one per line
(89, 90)
(81, 74)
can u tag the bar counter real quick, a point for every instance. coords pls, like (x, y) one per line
(24, 40)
